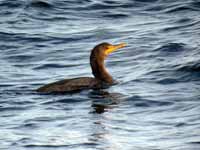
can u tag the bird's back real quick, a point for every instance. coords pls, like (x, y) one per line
(71, 85)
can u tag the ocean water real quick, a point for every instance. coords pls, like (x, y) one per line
(155, 106)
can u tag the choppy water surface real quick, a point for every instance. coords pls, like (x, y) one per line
(156, 105)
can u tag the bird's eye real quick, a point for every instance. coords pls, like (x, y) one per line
(107, 48)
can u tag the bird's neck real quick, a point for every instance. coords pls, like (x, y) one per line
(100, 72)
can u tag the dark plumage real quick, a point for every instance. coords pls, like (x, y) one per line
(101, 76)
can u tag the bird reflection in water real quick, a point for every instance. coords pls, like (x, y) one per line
(102, 100)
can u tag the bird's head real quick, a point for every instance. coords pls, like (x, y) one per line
(104, 49)
(97, 57)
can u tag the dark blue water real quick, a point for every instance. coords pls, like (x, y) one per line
(156, 105)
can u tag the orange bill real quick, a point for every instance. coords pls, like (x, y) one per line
(113, 48)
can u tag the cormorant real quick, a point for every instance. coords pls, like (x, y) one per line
(101, 76)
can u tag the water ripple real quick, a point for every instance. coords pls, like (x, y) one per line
(156, 100)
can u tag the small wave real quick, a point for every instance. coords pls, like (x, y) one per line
(195, 5)
(182, 8)
(182, 124)
(167, 81)
(7, 37)
(110, 2)
(18, 91)
(40, 4)
(182, 25)
(63, 146)
(12, 108)
(115, 15)
(184, 20)
(140, 102)
(155, 8)
(11, 4)
(6, 85)
(172, 48)
(64, 101)
(146, 1)
(23, 38)
(187, 72)
(104, 6)
(195, 142)
(20, 58)
(32, 125)
(97, 6)
(45, 146)
(48, 66)
(192, 67)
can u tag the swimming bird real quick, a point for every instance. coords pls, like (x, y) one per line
(101, 76)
